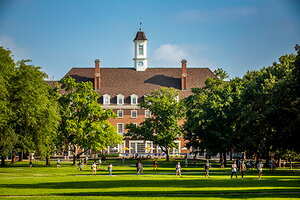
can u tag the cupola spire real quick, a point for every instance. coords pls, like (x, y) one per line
(140, 50)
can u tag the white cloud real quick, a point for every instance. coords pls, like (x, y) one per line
(169, 54)
(172, 54)
(17, 51)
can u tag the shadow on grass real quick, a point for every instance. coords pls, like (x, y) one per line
(272, 193)
(171, 183)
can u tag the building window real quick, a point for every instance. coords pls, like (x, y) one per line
(135, 124)
(147, 113)
(120, 99)
(134, 99)
(141, 49)
(120, 113)
(120, 128)
(106, 99)
(134, 114)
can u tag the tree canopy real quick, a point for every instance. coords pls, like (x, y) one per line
(30, 110)
(162, 126)
(84, 124)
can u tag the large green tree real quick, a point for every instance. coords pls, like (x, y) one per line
(212, 118)
(270, 107)
(36, 114)
(7, 134)
(28, 107)
(162, 126)
(84, 124)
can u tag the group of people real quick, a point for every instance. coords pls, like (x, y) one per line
(237, 166)
(94, 168)
(240, 166)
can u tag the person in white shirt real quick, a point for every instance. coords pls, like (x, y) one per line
(94, 168)
(206, 168)
(110, 168)
(259, 168)
(178, 169)
(58, 163)
(233, 169)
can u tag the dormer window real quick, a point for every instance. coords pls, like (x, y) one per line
(141, 49)
(120, 99)
(134, 99)
(106, 99)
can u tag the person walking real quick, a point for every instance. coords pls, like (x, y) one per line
(222, 164)
(80, 165)
(94, 168)
(243, 168)
(206, 168)
(233, 169)
(178, 169)
(155, 165)
(139, 168)
(186, 162)
(260, 168)
(110, 167)
(57, 163)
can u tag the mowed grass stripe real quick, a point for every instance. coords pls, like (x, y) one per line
(68, 182)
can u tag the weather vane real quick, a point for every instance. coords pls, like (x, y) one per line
(140, 24)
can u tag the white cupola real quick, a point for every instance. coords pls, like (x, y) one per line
(140, 50)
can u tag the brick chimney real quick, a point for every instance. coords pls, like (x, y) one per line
(97, 78)
(183, 75)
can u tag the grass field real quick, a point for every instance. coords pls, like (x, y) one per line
(40, 182)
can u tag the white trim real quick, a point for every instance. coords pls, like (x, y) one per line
(120, 111)
(131, 99)
(120, 97)
(120, 107)
(132, 111)
(104, 97)
(122, 128)
(148, 113)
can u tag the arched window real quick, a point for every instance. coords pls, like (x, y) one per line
(120, 99)
(134, 99)
(106, 99)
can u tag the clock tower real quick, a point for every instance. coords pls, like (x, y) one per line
(140, 51)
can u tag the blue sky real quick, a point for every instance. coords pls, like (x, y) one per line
(235, 35)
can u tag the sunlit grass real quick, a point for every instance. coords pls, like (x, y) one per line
(21, 182)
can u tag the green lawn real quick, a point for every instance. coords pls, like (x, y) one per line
(40, 182)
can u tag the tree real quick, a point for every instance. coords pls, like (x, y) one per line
(7, 134)
(36, 114)
(212, 118)
(270, 107)
(84, 124)
(162, 126)
(29, 114)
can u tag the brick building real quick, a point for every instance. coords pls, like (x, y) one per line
(121, 89)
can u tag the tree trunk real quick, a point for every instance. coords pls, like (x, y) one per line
(48, 160)
(13, 158)
(21, 154)
(230, 155)
(168, 154)
(279, 162)
(221, 157)
(225, 159)
(2, 161)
